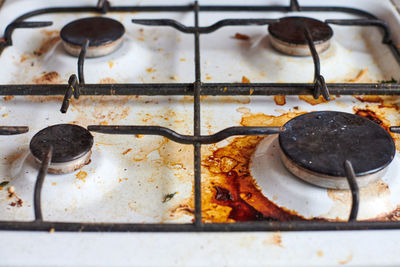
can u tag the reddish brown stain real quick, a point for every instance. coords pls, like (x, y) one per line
(241, 36)
(48, 78)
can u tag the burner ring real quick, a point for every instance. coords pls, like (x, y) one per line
(71, 146)
(315, 146)
(104, 35)
(287, 35)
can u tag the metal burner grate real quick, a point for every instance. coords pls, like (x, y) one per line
(76, 87)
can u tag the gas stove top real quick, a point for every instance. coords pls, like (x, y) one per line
(191, 117)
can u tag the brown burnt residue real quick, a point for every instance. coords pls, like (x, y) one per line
(50, 40)
(230, 193)
(371, 115)
(8, 97)
(48, 78)
(312, 101)
(280, 100)
(381, 115)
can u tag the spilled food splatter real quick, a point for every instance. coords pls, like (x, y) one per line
(229, 192)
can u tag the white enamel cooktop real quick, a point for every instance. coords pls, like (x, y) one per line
(164, 55)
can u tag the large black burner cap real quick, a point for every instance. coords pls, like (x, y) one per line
(291, 30)
(98, 30)
(69, 142)
(322, 141)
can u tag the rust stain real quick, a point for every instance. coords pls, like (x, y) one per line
(127, 151)
(320, 253)
(310, 99)
(240, 36)
(13, 157)
(359, 76)
(347, 260)
(51, 39)
(8, 97)
(245, 79)
(81, 175)
(243, 110)
(280, 100)
(17, 200)
(380, 114)
(111, 64)
(275, 239)
(107, 80)
(229, 191)
(24, 57)
(48, 78)
(151, 70)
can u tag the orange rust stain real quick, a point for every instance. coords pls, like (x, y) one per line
(240, 36)
(111, 64)
(81, 175)
(48, 78)
(127, 151)
(24, 58)
(107, 80)
(182, 59)
(280, 100)
(320, 253)
(310, 99)
(229, 191)
(275, 239)
(13, 157)
(245, 79)
(208, 77)
(8, 97)
(369, 98)
(5, 115)
(151, 70)
(359, 76)
(347, 260)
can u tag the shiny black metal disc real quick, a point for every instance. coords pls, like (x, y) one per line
(291, 30)
(322, 141)
(98, 30)
(69, 142)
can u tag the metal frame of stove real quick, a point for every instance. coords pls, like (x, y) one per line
(76, 87)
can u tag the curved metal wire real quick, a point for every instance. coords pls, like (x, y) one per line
(355, 193)
(218, 25)
(183, 139)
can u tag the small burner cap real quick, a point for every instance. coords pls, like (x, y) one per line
(287, 35)
(320, 142)
(291, 30)
(70, 142)
(104, 35)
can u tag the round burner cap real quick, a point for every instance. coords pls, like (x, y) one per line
(70, 142)
(104, 35)
(99, 31)
(321, 142)
(291, 30)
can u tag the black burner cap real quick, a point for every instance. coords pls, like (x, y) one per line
(291, 30)
(322, 141)
(69, 142)
(99, 30)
